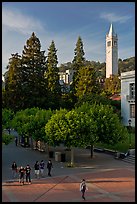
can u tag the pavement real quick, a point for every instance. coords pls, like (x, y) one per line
(108, 180)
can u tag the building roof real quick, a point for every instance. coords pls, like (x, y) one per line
(115, 97)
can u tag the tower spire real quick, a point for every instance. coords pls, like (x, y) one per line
(111, 31)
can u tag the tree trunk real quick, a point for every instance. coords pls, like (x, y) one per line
(91, 150)
(72, 156)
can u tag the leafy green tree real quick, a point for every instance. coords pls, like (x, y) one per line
(107, 127)
(6, 139)
(34, 86)
(71, 128)
(93, 98)
(31, 123)
(112, 85)
(87, 82)
(52, 76)
(7, 116)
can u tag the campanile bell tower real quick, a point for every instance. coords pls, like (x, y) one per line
(111, 53)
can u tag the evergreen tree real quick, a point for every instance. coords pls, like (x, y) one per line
(34, 67)
(52, 76)
(77, 62)
(79, 55)
(12, 96)
(87, 82)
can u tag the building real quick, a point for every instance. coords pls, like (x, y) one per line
(128, 98)
(111, 53)
(66, 79)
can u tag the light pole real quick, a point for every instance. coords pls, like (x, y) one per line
(129, 125)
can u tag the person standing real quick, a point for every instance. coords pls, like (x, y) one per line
(49, 166)
(14, 170)
(42, 164)
(36, 167)
(28, 170)
(83, 188)
(21, 175)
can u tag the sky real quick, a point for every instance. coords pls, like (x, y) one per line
(64, 22)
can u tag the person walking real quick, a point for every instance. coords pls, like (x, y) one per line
(42, 165)
(16, 141)
(14, 170)
(83, 188)
(49, 166)
(36, 167)
(21, 175)
(28, 170)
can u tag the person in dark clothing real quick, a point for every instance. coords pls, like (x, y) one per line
(83, 188)
(42, 164)
(28, 170)
(49, 166)
(14, 170)
(21, 174)
(36, 167)
(16, 141)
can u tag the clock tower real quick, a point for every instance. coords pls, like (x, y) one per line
(111, 53)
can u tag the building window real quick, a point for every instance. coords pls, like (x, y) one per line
(115, 43)
(132, 110)
(109, 43)
(132, 90)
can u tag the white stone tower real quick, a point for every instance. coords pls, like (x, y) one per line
(111, 53)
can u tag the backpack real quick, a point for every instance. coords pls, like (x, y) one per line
(83, 187)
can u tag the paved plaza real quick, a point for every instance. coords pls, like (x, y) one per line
(108, 179)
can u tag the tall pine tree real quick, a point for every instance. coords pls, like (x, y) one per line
(12, 96)
(78, 62)
(52, 76)
(34, 67)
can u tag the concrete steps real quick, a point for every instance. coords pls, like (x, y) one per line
(129, 159)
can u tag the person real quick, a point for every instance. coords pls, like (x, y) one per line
(21, 175)
(36, 167)
(28, 170)
(42, 164)
(14, 169)
(83, 188)
(49, 166)
(16, 141)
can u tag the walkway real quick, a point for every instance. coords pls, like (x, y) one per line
(108, 179)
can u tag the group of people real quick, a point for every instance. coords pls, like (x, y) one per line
(39, 171)
(22, 172)
(39, 168)
(26, 171)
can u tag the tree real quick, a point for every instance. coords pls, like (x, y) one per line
(12, 96)
(7, 116)
(93, 98)
(52, 76)
(78, 61)
(6, 139)
(31, 123)
(71, 128)
(87, 82)
(79, 55)
(34, 87)
(112, 85)
(107, 126)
